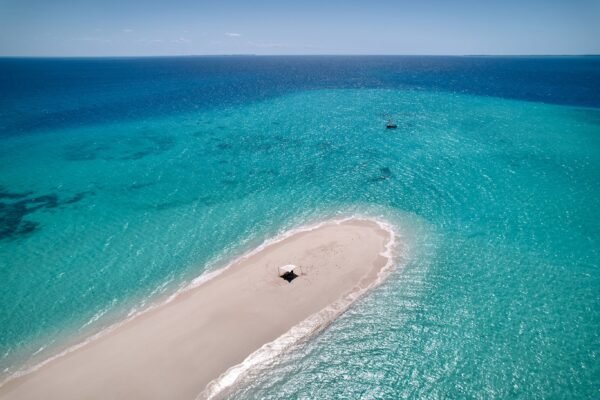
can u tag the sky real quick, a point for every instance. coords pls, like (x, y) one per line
(184, 27)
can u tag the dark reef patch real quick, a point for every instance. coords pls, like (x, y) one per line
(384, 174)
(224, 146)
(123, 149)
(16, 206)
(4, 194)
(78, 197)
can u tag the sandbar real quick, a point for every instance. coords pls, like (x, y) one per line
(175, 350)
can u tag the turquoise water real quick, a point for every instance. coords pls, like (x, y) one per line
(497, 199)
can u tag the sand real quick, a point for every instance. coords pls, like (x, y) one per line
(175, 350)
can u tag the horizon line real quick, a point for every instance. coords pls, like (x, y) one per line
(298, 55)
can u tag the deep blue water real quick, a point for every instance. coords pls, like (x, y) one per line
(41, 94)
(123, 179)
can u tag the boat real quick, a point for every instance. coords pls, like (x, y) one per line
(391, 124)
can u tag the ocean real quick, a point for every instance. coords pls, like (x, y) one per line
(124, 179)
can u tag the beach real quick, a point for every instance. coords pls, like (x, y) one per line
(177, 349)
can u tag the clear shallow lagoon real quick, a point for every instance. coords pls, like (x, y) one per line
(122, 179)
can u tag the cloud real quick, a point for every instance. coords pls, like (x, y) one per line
(182, 40)
(232, 34)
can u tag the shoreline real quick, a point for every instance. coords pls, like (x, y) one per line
(332, 308)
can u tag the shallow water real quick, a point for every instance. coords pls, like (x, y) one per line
(139, 175)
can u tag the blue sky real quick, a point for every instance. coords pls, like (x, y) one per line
(135, 28)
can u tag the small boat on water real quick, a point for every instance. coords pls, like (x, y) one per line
(391, 124)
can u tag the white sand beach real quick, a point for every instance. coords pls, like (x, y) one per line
(175, 350)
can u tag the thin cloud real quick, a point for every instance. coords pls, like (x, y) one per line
(182, 40)
(233, 34)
